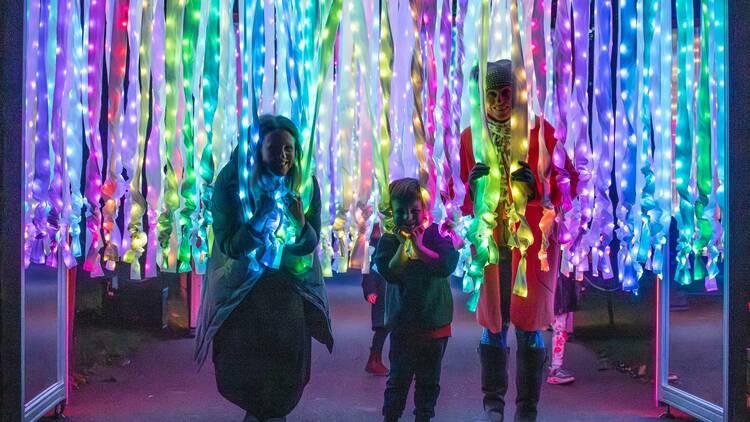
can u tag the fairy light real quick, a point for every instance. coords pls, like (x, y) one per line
(625, 145)
(188, 189)
(684, 139)
(94, 163)
(602, 137)
(139, 75)
(155, 141)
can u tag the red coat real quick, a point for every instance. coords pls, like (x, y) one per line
(536, 310)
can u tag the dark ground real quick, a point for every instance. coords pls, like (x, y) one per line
(145, 377)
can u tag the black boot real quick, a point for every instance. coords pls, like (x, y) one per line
(494, 362)
(530, 364)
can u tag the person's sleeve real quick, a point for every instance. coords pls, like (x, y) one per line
(309, 237)
(447, 254)
(234, 238)
(387, 247)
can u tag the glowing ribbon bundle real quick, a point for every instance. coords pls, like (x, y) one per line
(521, 236)
(487, 190)
(451, 43)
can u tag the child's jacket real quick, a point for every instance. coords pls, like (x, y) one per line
(418, 296)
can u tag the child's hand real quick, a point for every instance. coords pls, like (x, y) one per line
(372, 298)
(418, 237)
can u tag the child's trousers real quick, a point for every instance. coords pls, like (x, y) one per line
(415, 357)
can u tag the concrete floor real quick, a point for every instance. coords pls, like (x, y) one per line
(161, 383)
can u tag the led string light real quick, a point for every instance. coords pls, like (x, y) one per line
(704, 268)
(155, 141)
(563, 80)
(521, 236)
(684, 139)
(95, 42)
(602, 137)
(138, 205)
(451, 43)
(74, 116)
(420, 19)
(578, 135)
(127, 135)
(171, 198)
(57, 218)
(112, 189)
(718, 54)
(382, 152)
(39, 234)
(663, 164)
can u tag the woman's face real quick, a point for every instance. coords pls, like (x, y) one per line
(499, 103)
(278, 152)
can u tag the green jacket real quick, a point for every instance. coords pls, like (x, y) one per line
(418, 296)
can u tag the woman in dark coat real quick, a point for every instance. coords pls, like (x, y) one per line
(263, 296)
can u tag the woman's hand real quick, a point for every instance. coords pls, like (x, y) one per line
(295, 209)
(478, 171)
(525, 175)
(372, 298)
(265, 206)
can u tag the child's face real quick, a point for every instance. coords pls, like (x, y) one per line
(499, 103)
(407, 215)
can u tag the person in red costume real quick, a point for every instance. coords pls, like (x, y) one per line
(497, 306)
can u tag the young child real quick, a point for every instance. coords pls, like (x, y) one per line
(373, 288)
(415, 262)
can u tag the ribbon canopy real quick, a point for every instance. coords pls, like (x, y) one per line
(132, 108)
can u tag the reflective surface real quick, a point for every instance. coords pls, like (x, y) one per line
(696, 338)
(41, 328)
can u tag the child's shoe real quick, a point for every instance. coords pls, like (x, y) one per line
(375, 364)
(559, 376)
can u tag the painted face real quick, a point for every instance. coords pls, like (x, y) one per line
(499, 103)
(407, 215)
(278, 152)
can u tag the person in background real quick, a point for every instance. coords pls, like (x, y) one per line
(373, 288)
(416, 262)
(566, 303)
(260, 319)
